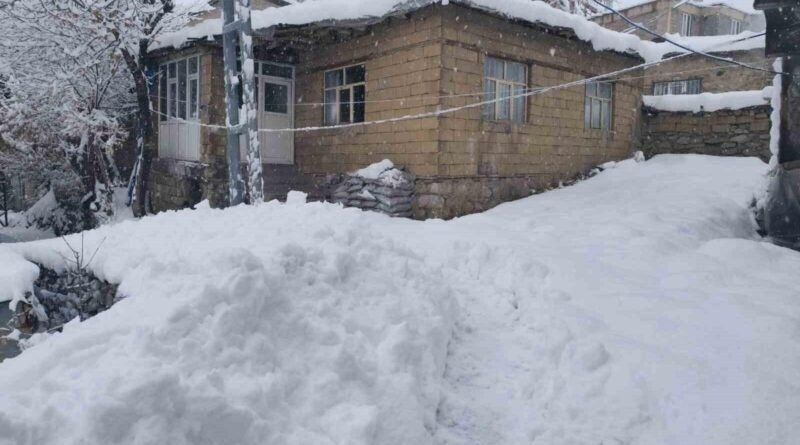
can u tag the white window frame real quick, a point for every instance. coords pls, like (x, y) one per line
(593, 99)
(491, 111)
(191, 114)
(687, 20)
(736, 26)
(337, 119)
(179, 129)
(676, 87)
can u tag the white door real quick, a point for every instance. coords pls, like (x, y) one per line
(276, 111)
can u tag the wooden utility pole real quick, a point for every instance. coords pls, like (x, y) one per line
(782, 213)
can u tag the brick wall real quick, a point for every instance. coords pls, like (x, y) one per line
(742, 132)
(717, 76)
(403, 77)
(483, 163)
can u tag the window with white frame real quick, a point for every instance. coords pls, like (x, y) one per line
(504, 83)
(687, 21)
(688, 86)
(345, 94)
(179, 89)
(598, 105)
(736, 26)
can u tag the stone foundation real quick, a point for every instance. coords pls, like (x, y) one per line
(176, 184)
(452, 197)
(743, 132)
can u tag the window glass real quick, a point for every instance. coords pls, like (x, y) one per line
(359, 107)
(489, 108)
(494, 68)
(269, 69)
(172, 70)
(182, 103)
(193, 94)
(330, 107)
(355, 74)
(515, 72)
(162, 90)
(344, 105)
(519, 103)
(276, 98)
(193, 65)
(605, 111)
(504, 105)
(333, 78)
(598, 106)
(345, 95)
(173, 91)
(502, 80)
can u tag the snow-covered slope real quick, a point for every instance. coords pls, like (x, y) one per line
(636, 307)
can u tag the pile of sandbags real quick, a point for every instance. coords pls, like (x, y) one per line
(380, 187)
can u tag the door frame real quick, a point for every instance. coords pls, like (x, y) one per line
(291, 111)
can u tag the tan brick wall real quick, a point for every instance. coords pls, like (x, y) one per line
(403, 69)
(553, 142)
(717, 76)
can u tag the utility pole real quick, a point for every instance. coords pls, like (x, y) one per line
(782, 212)
(237, 29)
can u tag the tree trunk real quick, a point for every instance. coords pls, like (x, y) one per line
(144, 128)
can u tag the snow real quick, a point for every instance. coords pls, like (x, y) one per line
(373, 171)
(747, 40)
(636, 307)
(317, 11)
(775, 117)
(16, 276)
(742, 5)
(695, 103)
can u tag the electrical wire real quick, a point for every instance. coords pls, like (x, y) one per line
(694, 51)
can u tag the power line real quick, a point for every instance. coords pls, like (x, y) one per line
(441, 112)
(710, 56)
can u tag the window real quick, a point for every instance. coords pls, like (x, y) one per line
(686, 24)
(691, 86)
(598, 105)
(345, 92)
(736, 26)
(179, 89)
(505, 83)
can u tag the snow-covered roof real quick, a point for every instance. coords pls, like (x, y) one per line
(343, 11)
(745, 6)
(695, 103)
(715, 44)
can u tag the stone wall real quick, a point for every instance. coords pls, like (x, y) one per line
(717, 77)
(176, 184)
(447, 198)
(742, 132)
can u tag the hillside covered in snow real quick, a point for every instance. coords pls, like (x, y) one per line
(636, 307)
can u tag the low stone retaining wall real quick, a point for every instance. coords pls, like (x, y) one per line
(452, 197)
(175, 184)
(742, 132)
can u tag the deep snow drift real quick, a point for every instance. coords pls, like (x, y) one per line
(636, 307)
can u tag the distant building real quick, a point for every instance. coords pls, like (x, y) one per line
(684, 17)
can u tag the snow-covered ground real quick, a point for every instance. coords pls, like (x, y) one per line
(637, 307)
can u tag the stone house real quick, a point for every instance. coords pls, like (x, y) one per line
(687, 18)
(409, 61)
